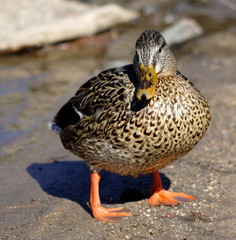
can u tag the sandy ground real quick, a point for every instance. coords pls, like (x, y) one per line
(45, 189)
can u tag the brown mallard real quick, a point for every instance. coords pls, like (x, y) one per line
(134, 120)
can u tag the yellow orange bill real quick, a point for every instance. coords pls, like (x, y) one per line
(147, 84)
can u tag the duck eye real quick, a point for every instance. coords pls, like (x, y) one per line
(160, 50)
(150, 75)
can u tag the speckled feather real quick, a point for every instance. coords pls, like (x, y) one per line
(114, 137)
(123, 135)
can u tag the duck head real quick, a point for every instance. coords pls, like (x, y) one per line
(152, 60)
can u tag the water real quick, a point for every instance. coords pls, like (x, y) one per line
(30, 86)
(14, 85)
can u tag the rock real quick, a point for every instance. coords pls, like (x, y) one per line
(183, 30)
(35, 23)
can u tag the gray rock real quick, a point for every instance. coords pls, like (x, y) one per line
(183, 30)
(35, 23)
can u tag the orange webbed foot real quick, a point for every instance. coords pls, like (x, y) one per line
(164, 197)
(99, 212)
(110, 214)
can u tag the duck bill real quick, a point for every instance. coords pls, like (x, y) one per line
(148, 81)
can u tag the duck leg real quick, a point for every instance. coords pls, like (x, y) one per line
(163, 197)
(100, 213)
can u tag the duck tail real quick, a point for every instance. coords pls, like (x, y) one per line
(53, 126)
(66, 116)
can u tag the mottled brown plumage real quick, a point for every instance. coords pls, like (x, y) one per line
(110, 128)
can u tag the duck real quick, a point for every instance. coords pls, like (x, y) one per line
(134, 120)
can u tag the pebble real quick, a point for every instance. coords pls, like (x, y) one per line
(150, 231)
(169, 18)
(149, 10)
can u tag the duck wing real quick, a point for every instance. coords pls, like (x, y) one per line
(109, 89)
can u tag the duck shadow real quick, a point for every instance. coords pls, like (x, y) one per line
(71, 180)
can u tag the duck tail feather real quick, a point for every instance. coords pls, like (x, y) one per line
(54, 127)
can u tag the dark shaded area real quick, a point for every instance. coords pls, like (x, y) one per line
(66, 115)
(71, 180)
(137, 105)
